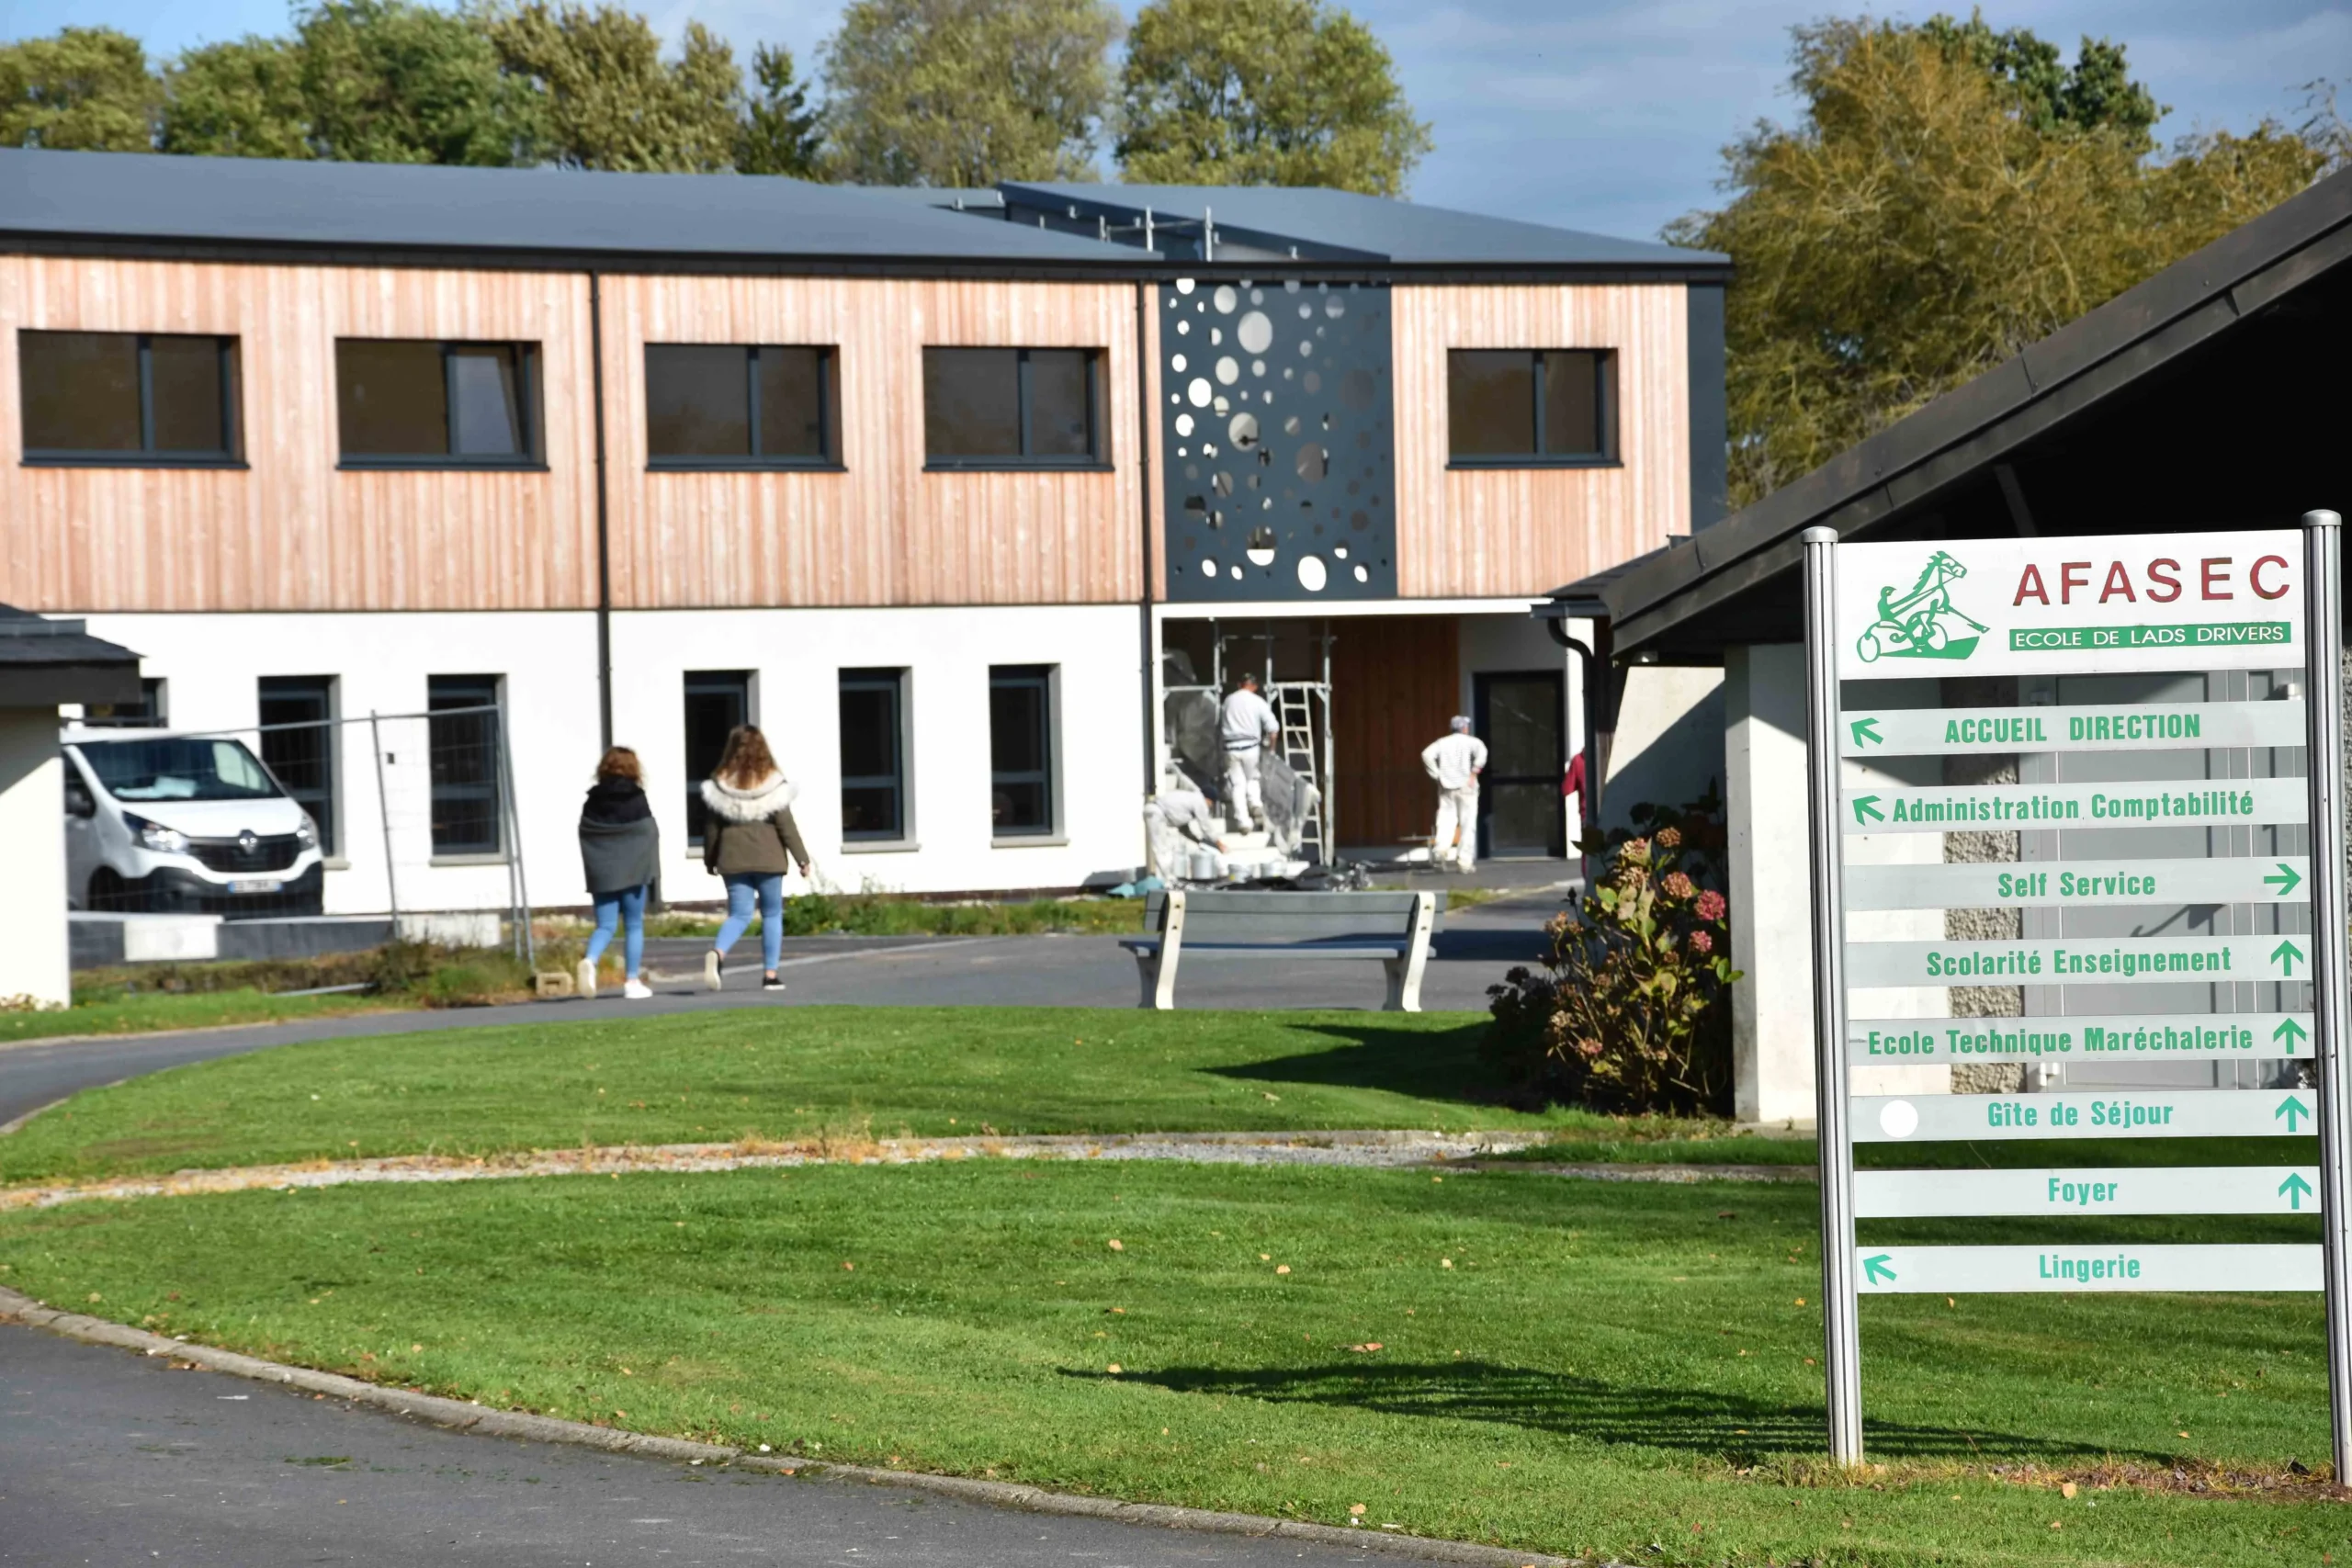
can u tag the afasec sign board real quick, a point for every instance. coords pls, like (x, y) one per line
(2011, 607)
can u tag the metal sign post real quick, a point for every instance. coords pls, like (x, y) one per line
(2324, 712)
(2260, 994)
(1841, 1334)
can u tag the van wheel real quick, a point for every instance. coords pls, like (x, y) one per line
(108, 892)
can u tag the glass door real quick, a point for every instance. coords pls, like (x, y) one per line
(1521, 810)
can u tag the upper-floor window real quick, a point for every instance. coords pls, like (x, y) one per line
(1522, 408)
(146, 399)
(724, 406)
(419, 405)
(1012, 408)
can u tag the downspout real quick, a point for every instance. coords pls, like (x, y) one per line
(1601, 690)
(604, 516)
(1149, 667)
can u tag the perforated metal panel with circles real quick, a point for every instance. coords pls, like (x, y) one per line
(1278, 439)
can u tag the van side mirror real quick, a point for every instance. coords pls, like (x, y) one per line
(79, 802)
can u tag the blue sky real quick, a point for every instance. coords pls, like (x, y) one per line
(1606, 115)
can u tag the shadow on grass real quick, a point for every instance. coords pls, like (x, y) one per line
(1425, 1064)
(1688, 1420)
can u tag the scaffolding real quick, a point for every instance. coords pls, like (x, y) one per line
(1303, 712)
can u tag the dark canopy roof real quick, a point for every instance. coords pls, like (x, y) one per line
(44, 662)
(2208, 397)
(144, 196)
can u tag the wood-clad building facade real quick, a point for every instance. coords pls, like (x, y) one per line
(616, 440)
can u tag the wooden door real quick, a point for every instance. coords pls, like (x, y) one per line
(1395, 681)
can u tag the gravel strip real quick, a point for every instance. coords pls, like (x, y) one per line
(1343, 1148)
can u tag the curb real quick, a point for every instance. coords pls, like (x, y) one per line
(459, 1416)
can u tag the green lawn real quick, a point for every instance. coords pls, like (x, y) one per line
(783, 1074)
(1613, 1368)
(149, 1011)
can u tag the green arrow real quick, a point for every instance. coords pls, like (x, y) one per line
(2295, 1190)
(2291, 1031)
(1866, 809)
(2288, 879)
(2290, 1108)
(1866, 730)
(2286, 952)
(1876, 1271)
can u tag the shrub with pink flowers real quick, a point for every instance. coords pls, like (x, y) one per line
(1631, 1007)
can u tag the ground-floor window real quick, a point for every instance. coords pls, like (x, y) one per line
(717, 701)
(874, 754)
(298, 742)
(463, 735)
(147, 712)
(1021, 748)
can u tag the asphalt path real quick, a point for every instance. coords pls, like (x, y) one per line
(1473, 950)
(109, 1458)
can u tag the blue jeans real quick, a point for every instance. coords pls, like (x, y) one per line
(742, 888)
(626, 905)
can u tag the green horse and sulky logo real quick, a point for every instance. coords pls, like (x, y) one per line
(1922, 623)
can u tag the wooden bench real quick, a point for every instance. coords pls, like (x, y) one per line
(1288, 928)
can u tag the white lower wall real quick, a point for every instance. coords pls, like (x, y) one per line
(1670, 738)
(34, 952)
(212, 665)
(798, 656)
(1764, 802)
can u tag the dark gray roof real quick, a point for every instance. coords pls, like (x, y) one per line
(156, 197)
(2098, 404)
(1374, 229)
(45, 661)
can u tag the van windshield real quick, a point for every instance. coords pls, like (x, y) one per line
(172, 767)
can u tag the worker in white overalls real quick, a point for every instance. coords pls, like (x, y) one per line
(1456, 760)
(1247, 726)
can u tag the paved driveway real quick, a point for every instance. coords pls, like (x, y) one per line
(1478, 947)
(113, 1458)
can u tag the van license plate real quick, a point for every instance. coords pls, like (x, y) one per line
(256, 884)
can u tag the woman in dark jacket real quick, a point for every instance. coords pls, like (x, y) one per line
(749, 838)
(620, 852)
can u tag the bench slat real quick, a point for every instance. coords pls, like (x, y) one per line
(1260, 950)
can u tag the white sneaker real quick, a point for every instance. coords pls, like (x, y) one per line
(587, 979)
(713, 967)
(637, 990)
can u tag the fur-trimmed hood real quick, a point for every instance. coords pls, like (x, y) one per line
(757, 803)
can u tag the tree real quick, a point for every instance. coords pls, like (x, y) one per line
(392, 82)
(780, 134)
(610, 101)
(243, 99)
(1263, 92)
(1943, 202)
(964, 93)
(87, 88)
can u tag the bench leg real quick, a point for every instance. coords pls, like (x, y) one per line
(1404, 985)
(1157, 973)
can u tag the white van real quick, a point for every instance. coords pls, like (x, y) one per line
(185, 824)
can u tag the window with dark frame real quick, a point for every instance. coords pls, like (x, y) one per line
(298, 746)
(717, 701)
(153, 400)
(874, 754)
(150, 712)
(1012, 408)
(409, 404)
(1021, 748)
(1522, 408)
(461, 739)
(728, 406)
